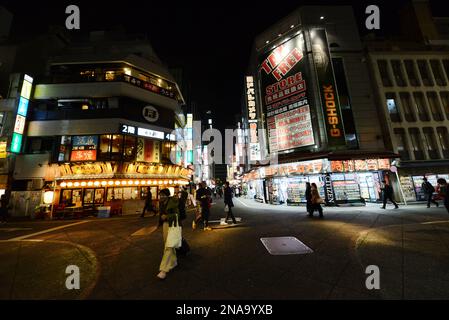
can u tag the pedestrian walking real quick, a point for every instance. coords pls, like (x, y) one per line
(309, 199)
(168, 217)
(387, 194)
(428, 190)
(183, 196)
(204, 195)
(444, 192)
(228, 194)
(3, 208)
(148, 204)
(316, 201)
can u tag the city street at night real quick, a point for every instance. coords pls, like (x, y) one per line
(119, 257)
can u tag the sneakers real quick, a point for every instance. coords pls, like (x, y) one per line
(193, 225)
(162, 275)
(207, 229)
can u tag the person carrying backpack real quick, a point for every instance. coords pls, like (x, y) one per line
(428, 192)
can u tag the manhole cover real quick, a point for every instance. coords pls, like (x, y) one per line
(285, 245)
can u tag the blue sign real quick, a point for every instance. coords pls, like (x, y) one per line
(23, 106)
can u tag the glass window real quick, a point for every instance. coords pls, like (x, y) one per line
(166, 150)
(437, 72)
(431, 143)
(434, 105)
(384, 75)
(88, 196)
(407, 107)
(77, 197)
(401, 143)
(417, 145)
(411, 73)
(99, 196)
(66, 197)
(130, 193)
(425, 73)
(421, 107)
(115, 194)
(398, 74)
(104, 151)
(392, 107)
(129, 151)
(444, 141)
(116, 147)
(445, 101)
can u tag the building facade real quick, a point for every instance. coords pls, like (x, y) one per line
(308, 86)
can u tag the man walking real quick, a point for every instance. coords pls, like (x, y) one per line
(148, 204)
(309, 198)
(428, 190)
(387, 193)
(228, 194)
(203, 195)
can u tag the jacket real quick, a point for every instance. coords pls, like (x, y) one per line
(171, 209)
(228, 194)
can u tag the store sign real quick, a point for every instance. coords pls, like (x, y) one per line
(3, 146)
(83, 155)
(150, 87)
(328, 91)
(84, 148)
(285, 97)
(251, 99)
(148, 151)
(360, 165)
(22, 108)
(328, 190)
(142, 132)
(150, 113)
(254, 154)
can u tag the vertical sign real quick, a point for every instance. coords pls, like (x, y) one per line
(328, 90)
(254, 144)
(22, 109)
(285, 96)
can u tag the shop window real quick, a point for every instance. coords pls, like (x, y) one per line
(104, 150)
(443, 137)
(431, 143)
(89, 196)
(437, 72)
(407, 107)
(417, 144)
(420, 106)
(40, 144)
(109, 75)
(64, 149)
(401, 143)
(99, 196)
(66, 197)
(166, 150)
(398, 74)
(384, 75)
(129, 151)
(423, 68)
(77, 199)
(411, 73)
(434, 105)
(444, 95)
(392, 107)
(116, 147)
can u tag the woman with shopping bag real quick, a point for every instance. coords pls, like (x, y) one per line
(172, 231)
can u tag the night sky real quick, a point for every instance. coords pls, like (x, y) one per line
(211, 40)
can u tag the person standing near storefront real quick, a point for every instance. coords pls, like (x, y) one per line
(316, 201)
(444, 192)
(428, 190)
(387, 194)
(148, 204)
(204, 196)
(228, 194)
(168, 217)
(309, 199)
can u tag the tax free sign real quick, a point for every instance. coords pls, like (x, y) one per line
(22, 109)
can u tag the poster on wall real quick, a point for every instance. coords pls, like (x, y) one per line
(285, 96)
(328, 90)
(84, 148)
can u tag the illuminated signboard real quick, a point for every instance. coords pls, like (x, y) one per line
(3, 145)
(22, 108)
(84, 148)
(329, 97)
(142, 132)
(285, 96)
(150, 133)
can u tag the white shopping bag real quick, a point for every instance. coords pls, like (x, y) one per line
(174, 237)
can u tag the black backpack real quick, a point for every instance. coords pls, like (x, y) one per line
(428, 188)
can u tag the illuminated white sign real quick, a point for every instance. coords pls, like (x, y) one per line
(150, 133)
(250, 98)
(19, 126)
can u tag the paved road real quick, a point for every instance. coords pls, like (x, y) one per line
(119, 257)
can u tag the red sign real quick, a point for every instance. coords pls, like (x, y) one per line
(83, 155)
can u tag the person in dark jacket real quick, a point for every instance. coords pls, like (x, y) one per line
(387, 194)
(309, 199)
(444, 191)
(183, 196)
(428, 190)
(204, 196)
(148, 204)
(228, 194)
(316, 200)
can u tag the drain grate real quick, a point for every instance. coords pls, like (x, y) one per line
(285, 246)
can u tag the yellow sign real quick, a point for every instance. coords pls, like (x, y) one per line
(3, 153)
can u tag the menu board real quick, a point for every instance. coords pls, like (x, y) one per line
(408, 188)
(295, 193)
(346, 190)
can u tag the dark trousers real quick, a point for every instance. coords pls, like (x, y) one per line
(148, 207)
(3, 214)
(315, 206)
(430, 200)
(205, 213)
(230, 215)
(389, 197)
(447, 207)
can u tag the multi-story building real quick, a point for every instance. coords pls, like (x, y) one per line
(308, 86)
(99, 130)
(411, 81)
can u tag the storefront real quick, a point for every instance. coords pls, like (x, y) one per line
(339, 182)
(108, 184)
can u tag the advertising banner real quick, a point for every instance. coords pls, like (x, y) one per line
(84, 148)
(285, 98)
(328, 91)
